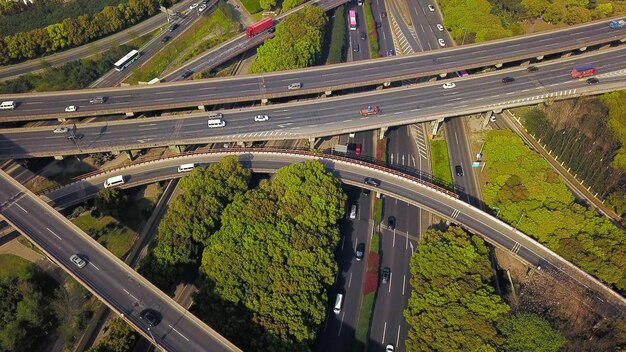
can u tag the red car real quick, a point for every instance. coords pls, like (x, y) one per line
(357, 150)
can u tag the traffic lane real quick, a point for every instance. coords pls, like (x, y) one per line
(424, 22)
(459, 154)
(394, 100)
(53, 234)
(379, 69)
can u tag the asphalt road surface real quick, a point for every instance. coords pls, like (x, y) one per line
(313, 80)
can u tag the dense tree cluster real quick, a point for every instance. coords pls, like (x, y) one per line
(109, 201)
(453, 306)
(473, 21)
(24, 312)
(571, 11)
(192, 217)
(74, 31)
(297, 42)
(273, 258)
(531, 195)
(338, 36)
(120, 337)
(528, 332)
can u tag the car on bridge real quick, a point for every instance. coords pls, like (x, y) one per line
(80, 262)
(150, 317)
(61, 130)
(448, 85)
(372, 181)
(261, 118)
(370, 110)
(71, 108)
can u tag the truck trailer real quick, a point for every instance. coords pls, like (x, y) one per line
(259, 27)
(583, 71)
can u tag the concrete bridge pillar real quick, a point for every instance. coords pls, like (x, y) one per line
(525, 63)
(58, 157)
(499, 65)
(487, 117)
(264, 101)
(328, 93)
(201, 107)
(436, 124)
(567, 54)
(386, 84)
(443, 74)
(241, 144)
(178, 148)
(61, 119)
(497, 111)
(311, 143)
(539, 57)
(584, 48)
(381, 135)
(133, 154)
(130, 114)
(605, 46)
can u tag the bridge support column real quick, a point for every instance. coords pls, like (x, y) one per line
(443, 74)
(567, 54)
(241, 144)
(487, 117)
(539, 58)
(133, 154)
(201, 107)
(381, 135)
(499, 65)
(386, 84)
(58, 157)
(525, 63)
(311, 143)
(264, 101)
(61, 119)
(130, 114)
(328, 93)
(115, 152)
(497, 111)
(584, 48)
(436, 124)
(178, 148)
(606, 46)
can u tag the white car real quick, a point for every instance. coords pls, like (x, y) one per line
(439, 27)
(431, 8)
(441, 42)
(61, 130)
(448, 85)
(71, 108)
(389, 348)
(80, 262)
(193, 6)
(261, 118)
(202, 8)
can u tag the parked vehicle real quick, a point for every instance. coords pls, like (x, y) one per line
(259, 27)
(370, 110)
(617, 24)
(583, 71)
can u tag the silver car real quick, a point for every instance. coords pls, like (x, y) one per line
(80, 262)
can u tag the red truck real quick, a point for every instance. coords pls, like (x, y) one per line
(583, 71)
(259, 27)
(370, 110)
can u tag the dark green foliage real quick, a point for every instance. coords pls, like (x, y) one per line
(297, 42)
(192, 218)
(290, 4)
(74, 31)
(252, 6)
(272, 261)
(120, 337)
(453, 306)
(528, 332)
(24, 311)
(523, 186)
(338, 36)
(110, 202)
(73, 75)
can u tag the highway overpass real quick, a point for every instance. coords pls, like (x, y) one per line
(395, 184)
(314, 80)
(330, 116)
(106, 276)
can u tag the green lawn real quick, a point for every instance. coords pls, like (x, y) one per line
(372, 35)
(375, 244)
(252, 6)
(362, 326)
(14, 266)
(117, 240)
(441, 162)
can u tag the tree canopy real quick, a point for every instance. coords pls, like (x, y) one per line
(297, 42)
(120, 337)
(528, 332)
(453, 306)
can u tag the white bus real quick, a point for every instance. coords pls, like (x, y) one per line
(126, 60)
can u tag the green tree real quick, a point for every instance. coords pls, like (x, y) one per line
(110, 201)
(528, 332)
(290, 4)
(58, 36)
(120, 337)
(267, 4)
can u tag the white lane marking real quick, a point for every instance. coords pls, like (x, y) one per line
(19, 206)
(341, 325)
(92, 264)
(178, 332)
(393, 242)
(398, 337)
(343, 242)
(52, 232)
(390, 279)
(350, 280)
(403, 283)
(148, 124)
(384, 332)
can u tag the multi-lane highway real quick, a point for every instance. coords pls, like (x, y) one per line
(110, 279)
(313, 80)
(393, 185)
(328, 116)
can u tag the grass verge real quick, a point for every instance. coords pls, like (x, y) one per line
(440, 161)
(14, 266)
(252, 6)
(207, 32)
(362, 325)
(378, 211)
(372, 35)
(114, 236)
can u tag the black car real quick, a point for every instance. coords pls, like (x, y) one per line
(173, 27)
(151, 317)
(363, 36)
(74, 136)
(166, 39)
(391, 223)
(356, 48)
(508, 80)
(592, 80)
(372, 181)
(187, 73)
(459, 170)
(366, 192)
(272, 29)
(386, 275)
(532, 69)
(360, 251)
(378, 25)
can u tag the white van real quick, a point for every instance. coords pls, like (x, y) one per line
(7, 105)
(212, 123)
(338, 303)
(114, 181)
(215, 115)
(294, 86)
(353, 212)
(186, 167)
